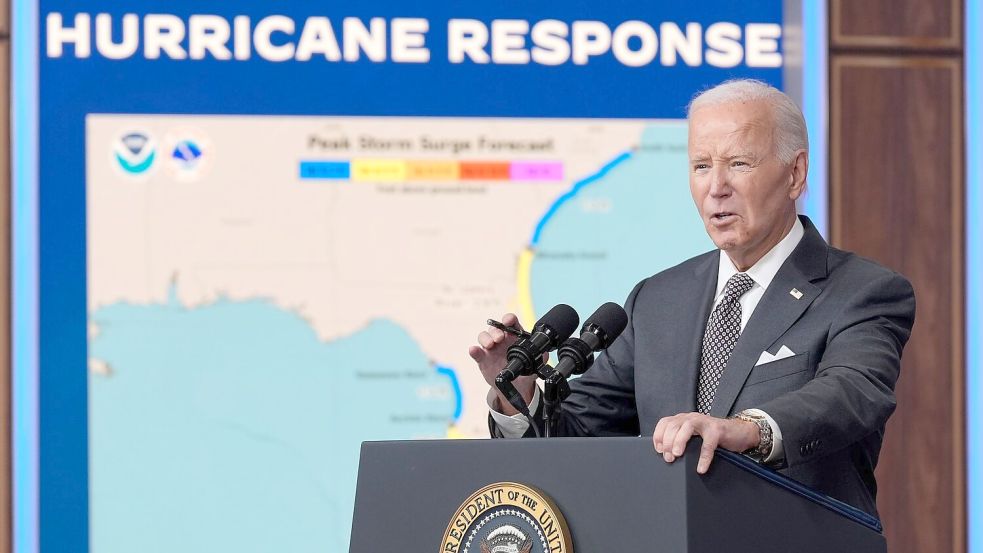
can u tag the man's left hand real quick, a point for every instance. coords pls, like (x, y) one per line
(672, 433)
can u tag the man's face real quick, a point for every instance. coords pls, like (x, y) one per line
(744, 194)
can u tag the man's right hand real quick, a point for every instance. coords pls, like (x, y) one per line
(490, 354)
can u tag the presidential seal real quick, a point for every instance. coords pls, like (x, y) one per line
(507, 518)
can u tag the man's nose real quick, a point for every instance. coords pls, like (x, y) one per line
(719, 185)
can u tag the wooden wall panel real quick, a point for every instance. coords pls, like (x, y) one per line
(916, 24)
(896, 196)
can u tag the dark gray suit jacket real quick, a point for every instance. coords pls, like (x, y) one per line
(830, 400)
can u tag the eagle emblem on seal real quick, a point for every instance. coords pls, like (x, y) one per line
(506, 539)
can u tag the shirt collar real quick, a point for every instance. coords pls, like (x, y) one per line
(764, 271)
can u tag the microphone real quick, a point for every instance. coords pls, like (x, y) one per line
(526, 355)
(577, 354)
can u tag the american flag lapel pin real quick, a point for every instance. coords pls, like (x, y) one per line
(795, 293)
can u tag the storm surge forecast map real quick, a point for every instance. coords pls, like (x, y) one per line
(265, 293)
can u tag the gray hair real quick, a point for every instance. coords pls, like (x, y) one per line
(790, 126)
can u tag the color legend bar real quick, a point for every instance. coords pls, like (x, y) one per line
(379, 170)
(485, 170)
(536, 171)
(325, 170)
(426, 170)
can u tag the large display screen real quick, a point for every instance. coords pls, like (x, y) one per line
(266, 233)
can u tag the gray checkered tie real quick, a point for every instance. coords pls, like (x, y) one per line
(723, 329)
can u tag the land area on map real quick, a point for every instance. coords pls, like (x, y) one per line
(435, 257)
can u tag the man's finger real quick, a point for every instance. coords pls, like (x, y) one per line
(706, 452)
(686, 431)
(509, 319)
(476, 353)
(496, 334)
(660, 428)
(486, 340)
(667, 439)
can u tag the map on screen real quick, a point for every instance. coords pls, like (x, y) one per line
(266, 292)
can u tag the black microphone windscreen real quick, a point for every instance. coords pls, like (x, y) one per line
(611, 318)
(562, 318)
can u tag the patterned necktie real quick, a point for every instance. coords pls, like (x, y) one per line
(723, 329)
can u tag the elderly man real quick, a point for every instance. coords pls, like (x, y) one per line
(776, 345)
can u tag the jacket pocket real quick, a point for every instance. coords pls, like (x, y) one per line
(780, 369)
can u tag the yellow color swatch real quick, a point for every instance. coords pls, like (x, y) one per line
(378, 170)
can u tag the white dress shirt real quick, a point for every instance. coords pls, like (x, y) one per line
(762, 273)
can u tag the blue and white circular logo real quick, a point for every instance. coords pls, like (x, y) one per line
(187, 154)
(190, 153)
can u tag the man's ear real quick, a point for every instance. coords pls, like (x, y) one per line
(797, 176)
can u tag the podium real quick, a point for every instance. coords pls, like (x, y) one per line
(616, 494)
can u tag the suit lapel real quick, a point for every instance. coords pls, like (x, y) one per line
(705, 277)
(777, 310)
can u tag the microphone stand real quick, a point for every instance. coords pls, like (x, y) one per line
(555, 390)
(504, 384)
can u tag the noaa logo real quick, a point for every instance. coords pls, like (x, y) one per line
(186, 155)
(135, 152)
(190, 153)
(507, 518)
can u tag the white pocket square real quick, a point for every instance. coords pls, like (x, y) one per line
(769, 358)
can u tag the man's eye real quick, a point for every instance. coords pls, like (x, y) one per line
(739, 164)
(700, 166)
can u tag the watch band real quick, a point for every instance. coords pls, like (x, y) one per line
(766, 441)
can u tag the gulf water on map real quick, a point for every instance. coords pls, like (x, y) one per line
(633, 222)
(234, 424)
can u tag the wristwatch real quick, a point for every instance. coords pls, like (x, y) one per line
(765, 443)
